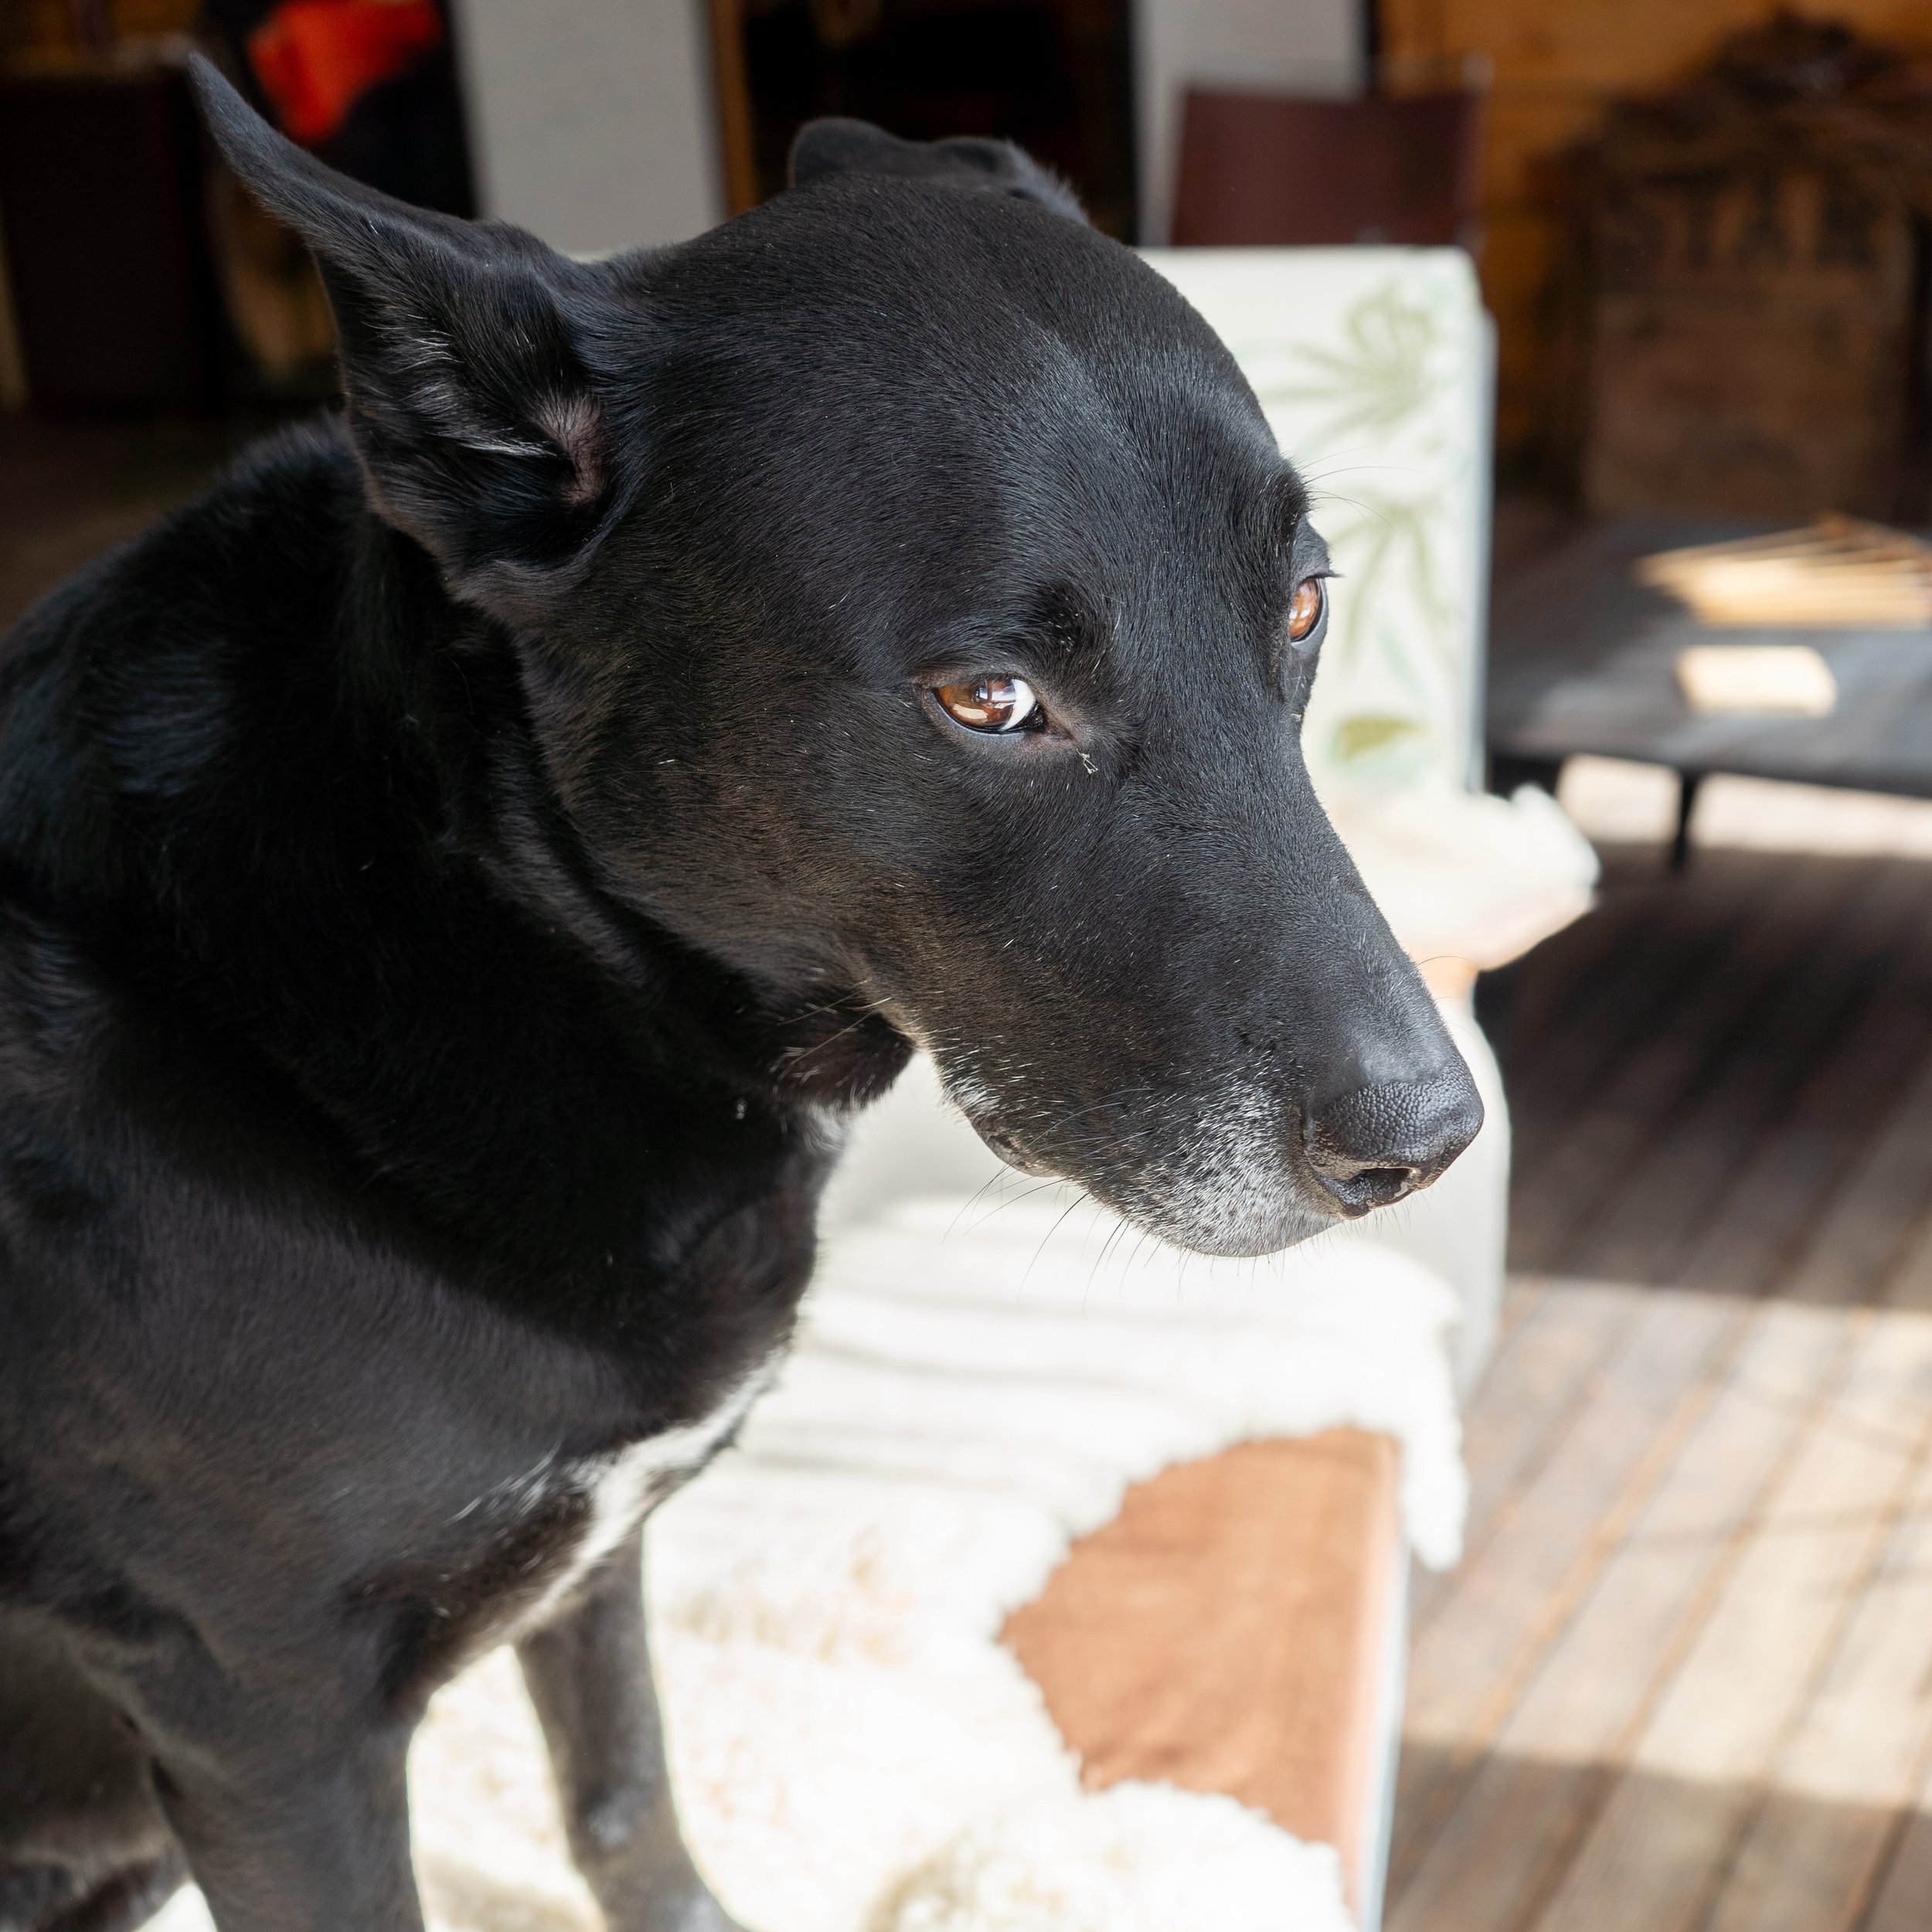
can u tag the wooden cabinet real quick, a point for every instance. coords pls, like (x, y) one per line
(1556, 67)
(1754, 346)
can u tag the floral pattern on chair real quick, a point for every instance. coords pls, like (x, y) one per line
(1373, 367)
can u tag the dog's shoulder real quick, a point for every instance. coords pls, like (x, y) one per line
(272, 825)
(122, 686)
(268, 517)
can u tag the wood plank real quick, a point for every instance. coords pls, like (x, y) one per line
(1569, 1177)
(1879, 1040)
(1225, 1631)
(1821, 1835)
(1862, 1245)
(1667, 1833)
(1584, 960)
(1909, 1284)
(1526, 126)
(1555, 68)
(1520, 1294)
(1693, 1176)
(1667, 935)
(1469, 1667)
(1903, 1903)
(1747, 1247)
(1792, 1161)
(1641, 46)
(1524, 1805)
(1863, 1022)
(1528, 1401)
(1565, 974)
(1679, 934)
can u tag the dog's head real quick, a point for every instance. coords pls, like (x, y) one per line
(914, 609)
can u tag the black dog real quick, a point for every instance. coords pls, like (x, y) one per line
(454, 878)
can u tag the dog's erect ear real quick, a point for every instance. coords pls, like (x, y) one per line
(477, 417)
(828, 147)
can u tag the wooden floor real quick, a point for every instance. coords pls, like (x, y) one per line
(1682, 1681)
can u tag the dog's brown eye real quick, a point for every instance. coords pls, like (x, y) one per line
(1304, 609)
(995, 703)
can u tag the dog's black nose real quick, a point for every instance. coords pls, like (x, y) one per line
(1374, 1145)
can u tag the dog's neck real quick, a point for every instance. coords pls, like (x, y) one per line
(312, 819)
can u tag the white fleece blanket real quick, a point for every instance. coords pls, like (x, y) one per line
(853, 1751)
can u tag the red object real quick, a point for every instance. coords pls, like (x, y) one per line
(315, 59)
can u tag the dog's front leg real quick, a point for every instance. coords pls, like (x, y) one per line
(292, 1835)
(589, 1674)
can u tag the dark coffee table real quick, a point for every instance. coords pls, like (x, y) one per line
(1582, 659)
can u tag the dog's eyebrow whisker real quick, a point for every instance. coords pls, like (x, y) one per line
(1379, 511)
(1312, 476)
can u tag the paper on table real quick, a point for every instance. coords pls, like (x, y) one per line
(1727, 678)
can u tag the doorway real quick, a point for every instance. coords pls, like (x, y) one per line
(1055, 76)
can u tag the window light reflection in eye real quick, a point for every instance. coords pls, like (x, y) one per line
(1304, 609)
(996, 703)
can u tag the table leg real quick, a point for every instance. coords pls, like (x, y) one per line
(1688, 782)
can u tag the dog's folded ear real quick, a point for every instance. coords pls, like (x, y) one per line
(828, 147)
(467, 366)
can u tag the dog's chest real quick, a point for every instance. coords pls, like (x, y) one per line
(514, 1554)
(615, 1493)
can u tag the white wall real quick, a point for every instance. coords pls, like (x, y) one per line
(1291, 46)
(591, 122)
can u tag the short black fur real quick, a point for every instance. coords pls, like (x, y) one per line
(455, 880)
